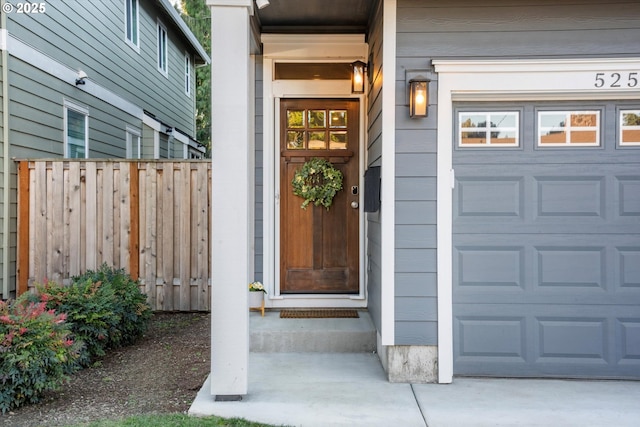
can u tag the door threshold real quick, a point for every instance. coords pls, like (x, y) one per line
(316, 301)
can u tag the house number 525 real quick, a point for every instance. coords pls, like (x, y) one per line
(616, 80)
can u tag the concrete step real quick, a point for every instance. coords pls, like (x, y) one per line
(271, 334)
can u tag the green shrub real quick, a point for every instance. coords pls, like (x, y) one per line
(130, 306)
(36, 352)
(105, 309)
(88, 307)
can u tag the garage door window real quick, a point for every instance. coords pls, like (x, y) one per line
(488, 129)
(568, 128)
(630, 127)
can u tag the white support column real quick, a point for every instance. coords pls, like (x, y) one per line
(232, 168)
(388, 183)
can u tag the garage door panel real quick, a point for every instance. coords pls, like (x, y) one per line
(572, 339)
(551, 272)
(588, 204)
(570, 266)
(549, 263)
(491, 337)
(628, 331)
(628, 196)
(558, 340)
(570, 196)
(490, 266)
(628, 260)
(497, 197)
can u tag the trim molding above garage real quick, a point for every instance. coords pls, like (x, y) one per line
(544, 79)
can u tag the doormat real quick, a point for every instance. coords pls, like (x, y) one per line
(318, 314)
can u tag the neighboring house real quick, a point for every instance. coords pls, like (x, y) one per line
(507, 242)
(93, 79)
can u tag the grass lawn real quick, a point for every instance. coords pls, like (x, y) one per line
(173, 420)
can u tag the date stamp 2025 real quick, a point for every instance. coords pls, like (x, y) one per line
(25, 8)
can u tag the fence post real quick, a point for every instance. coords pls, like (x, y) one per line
(23, 228)
(134, 243)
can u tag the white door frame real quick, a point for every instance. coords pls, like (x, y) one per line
(297, 48)
(506, 80)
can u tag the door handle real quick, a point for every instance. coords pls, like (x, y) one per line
(354, 205)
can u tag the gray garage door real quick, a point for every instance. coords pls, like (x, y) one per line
(546, 256)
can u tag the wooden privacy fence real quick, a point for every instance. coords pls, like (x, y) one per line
(151, 218)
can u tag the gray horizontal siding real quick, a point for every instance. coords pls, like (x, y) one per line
(431, 29)
(164, 146)
(414, 260)
(37, 111)
(407, 212)
(498, 44)
(517, 28)
(259, 169)
(89, 35)
(374, 155)
(374, 273)
(2, 190)
(147, 143)
(416, 285)
(526, 17)
(416, 333)
(415, 188)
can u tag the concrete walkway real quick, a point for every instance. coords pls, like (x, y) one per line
(351, 389)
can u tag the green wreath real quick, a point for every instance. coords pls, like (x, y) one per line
(318, 182)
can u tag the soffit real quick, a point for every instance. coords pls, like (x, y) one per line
(315, 16)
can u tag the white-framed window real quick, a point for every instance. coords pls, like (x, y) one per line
(131, 20)
(76, 131)
(163, 59)
(568, 128)
(187, 74)
(489, 129)
(629, 127)
(133, 143)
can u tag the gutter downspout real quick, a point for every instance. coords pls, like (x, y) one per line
(5, 152)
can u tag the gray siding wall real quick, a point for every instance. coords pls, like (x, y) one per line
(258, 186)
(374, 152)
(164, 146)
(2, 190)
(36, 116)
(147, 142)
(90, 35)
(431, 29)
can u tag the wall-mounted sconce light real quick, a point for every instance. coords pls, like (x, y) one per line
(262, 3)
(418, 97)
(80, 80)
(358, 70)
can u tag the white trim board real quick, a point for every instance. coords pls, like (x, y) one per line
(388, 176)
(3, 38)
(505, 80)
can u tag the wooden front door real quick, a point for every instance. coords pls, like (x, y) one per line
(319, 247)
